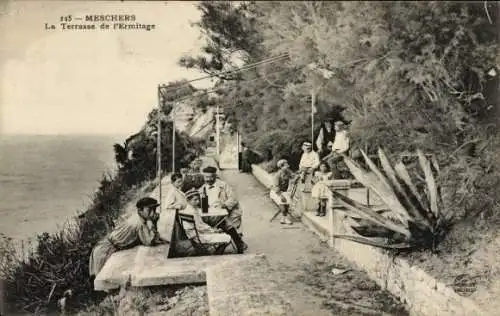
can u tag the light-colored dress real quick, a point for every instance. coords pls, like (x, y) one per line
(320, 189)
(174, 199)
(341, 142)
(132, 232)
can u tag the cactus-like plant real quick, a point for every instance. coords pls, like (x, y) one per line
(410, 218)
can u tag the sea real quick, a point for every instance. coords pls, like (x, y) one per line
(47, 180)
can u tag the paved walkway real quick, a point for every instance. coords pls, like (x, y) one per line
(311, 272)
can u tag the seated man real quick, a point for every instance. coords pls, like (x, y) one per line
(279, 191)
(220, 194)
(140, 228)
(309, 162)
(339, 146)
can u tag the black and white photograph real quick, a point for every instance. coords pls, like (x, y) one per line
(249, 158)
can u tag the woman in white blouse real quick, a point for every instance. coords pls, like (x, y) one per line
(339, 146)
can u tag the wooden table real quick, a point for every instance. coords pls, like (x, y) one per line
(214, 212)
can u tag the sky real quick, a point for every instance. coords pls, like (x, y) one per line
(89, 81)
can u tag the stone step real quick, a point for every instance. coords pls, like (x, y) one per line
(152, 267)
(117, 270)
(319, 225)
(245, 288)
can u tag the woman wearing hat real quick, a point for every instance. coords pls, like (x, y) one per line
(138, 229)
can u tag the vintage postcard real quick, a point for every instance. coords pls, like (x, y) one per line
(249, 158)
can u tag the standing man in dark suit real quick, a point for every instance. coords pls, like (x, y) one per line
(326, 135)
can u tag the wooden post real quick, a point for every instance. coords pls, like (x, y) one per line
(217, 131)
(238, 149)
(173, 137)
(313, 101)
(158, 145)
(331, 241)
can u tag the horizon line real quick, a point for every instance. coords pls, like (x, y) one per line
(66, 134)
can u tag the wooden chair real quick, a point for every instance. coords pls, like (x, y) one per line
(203, 244)
(292, 188)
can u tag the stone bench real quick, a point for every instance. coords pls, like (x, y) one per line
(150, 266)
(117, 270)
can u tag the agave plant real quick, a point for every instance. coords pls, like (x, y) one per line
(410, 218)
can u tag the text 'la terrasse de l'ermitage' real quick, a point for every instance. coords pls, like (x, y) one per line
(99, 22)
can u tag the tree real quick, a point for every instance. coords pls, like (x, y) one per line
(229, 33)
(410, 75)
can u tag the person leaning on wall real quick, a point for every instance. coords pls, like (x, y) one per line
(138, 229)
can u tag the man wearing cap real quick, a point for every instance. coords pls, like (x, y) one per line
(140, 228)
(279, 190)
(308, 163)
(220, 194)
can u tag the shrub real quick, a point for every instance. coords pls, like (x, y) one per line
(60, 262)
(282, 144)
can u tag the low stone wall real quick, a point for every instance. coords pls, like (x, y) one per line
(424, 295)
(265, 178)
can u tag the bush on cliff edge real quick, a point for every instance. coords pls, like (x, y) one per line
(60, 262)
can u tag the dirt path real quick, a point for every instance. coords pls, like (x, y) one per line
(303, 263)
(318, 280)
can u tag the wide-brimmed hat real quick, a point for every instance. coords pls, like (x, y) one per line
(147, 202)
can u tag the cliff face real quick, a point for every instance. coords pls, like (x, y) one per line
(188, 118)
(194, 121)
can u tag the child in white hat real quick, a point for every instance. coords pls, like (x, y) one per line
(309, 162)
